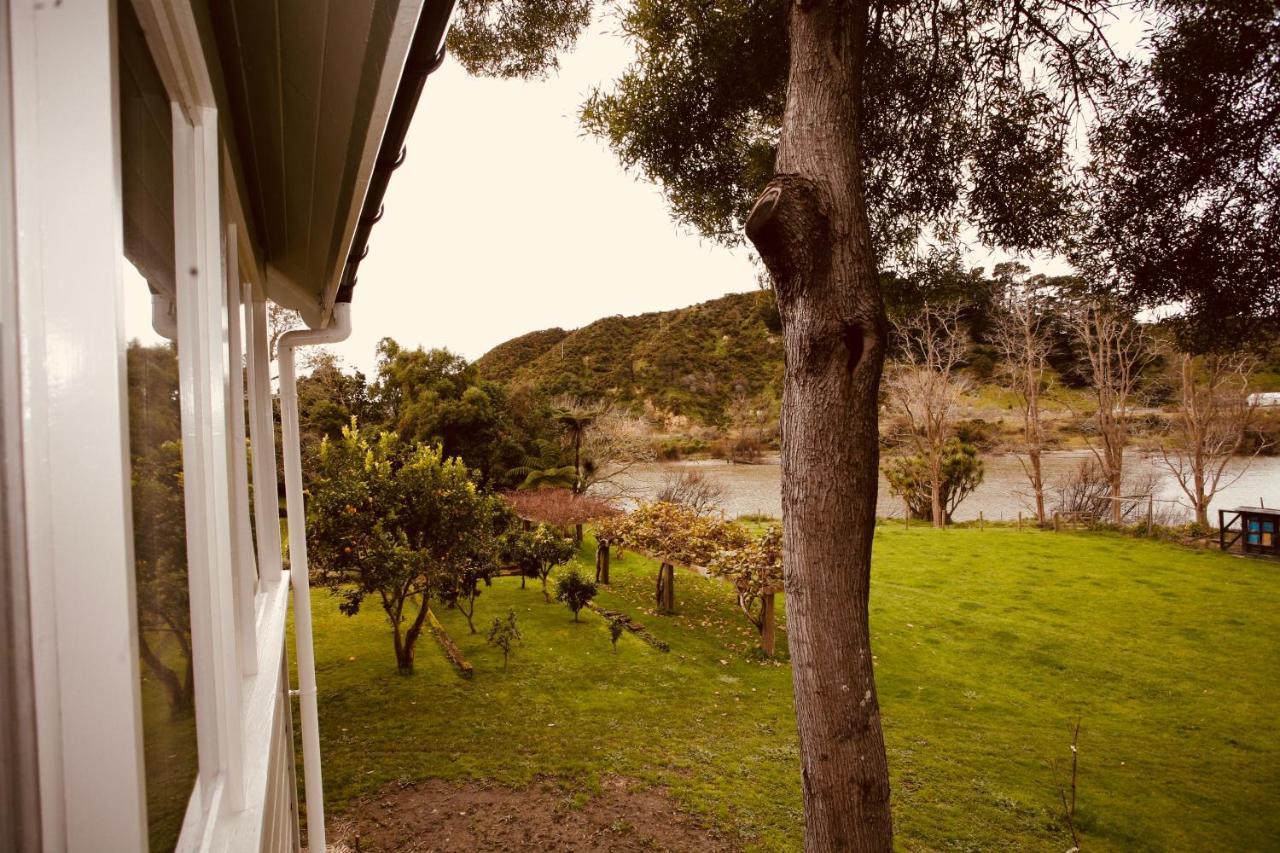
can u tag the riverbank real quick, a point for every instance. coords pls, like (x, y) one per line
(756, 489)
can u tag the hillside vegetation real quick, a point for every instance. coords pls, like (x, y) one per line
(691, 362)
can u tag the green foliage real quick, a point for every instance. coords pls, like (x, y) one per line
(504, 634)
(537, 552)
(1186, 174)
(908, 478)
(397, 521)
(436, 397)
(616, 629)
(575, 590)
(514, 38)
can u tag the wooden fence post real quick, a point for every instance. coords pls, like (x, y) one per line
(666, 595)
(1019, 519)
(982, 522)
(602, 561)
(768, 620)
(1055, 521)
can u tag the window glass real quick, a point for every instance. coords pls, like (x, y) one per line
(155, 438)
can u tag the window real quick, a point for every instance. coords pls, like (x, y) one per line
(155, 439)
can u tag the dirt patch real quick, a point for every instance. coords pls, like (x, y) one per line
(438, 815)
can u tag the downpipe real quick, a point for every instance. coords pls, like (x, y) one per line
(299, 572)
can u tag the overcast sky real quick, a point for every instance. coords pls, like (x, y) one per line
(505, 218)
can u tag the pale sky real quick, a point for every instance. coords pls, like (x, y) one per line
(505, 218)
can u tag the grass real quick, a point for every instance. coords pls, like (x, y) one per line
(989, 644)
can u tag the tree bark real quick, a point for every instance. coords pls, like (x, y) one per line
(810, 227)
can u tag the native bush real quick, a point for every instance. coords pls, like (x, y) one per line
(908, 478)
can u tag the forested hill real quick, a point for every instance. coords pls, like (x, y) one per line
(695, 362)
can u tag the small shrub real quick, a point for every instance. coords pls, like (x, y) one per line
(575, 591)
(504, 634)
(615, 632)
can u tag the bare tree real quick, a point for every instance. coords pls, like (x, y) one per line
(924, 388)
(1117, 349)
(606, 442)
(279, 321)
(692, 488)
(1022, 336)
(1208, 429)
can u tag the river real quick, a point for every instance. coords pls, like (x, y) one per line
(754, 489)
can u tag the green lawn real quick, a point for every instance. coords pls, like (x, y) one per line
(989, 645)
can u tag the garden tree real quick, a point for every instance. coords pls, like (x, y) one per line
(1212, 417)
(504, 634)
(1117, 348)
(1023, 339)
(397, 521)
(909, 478)
(560, 508)
(755, 570)
(924, 388)
(461, 589)
(575, 591)
(542, 549)
(1184, 187)
(858, 124)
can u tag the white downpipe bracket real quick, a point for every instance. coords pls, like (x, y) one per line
(338, 330)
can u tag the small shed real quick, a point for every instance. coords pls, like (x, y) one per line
(1254, 527)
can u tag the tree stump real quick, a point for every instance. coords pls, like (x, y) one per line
(768, 623)
(666, 594)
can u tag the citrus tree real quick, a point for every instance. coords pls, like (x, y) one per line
(398, 522)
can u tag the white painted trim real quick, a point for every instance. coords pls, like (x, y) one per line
(176, 49)
(202, 363)
(245, 570)
(266, 695)
(406, 23)
(262, 441)
(74, 408)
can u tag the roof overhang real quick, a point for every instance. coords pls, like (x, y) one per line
(307, 91)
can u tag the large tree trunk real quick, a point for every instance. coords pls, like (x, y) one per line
(810, 227)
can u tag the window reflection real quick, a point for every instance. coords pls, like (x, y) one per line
(155, 439)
